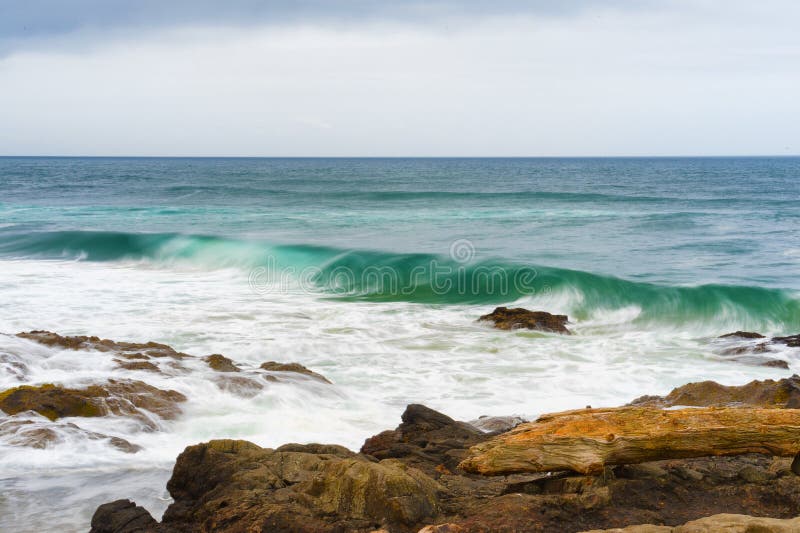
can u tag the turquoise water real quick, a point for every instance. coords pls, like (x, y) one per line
(682, 238)
(373, 272)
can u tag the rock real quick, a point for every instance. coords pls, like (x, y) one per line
(729, 523)
(516, 318)
(235, 486)
(129, 349)
(33, 434)
(743, 335)
(238, 485)
(442, 528)
(122, 516)
(588, 439)
(138, 365)
(273, 366)
(425, 439)
(497, 424)
(124, 398)
(793, 341)
(239, 385)
(220, 363)
(776, 363)
(784, 393)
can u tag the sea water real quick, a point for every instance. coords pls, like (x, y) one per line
(373, 272)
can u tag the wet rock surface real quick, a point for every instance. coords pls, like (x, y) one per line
(296, 368)
(115, 397)
(407, 479)
(784, 393)
(517, 318)
(755, 349)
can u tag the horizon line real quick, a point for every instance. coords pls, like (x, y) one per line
(676, 156)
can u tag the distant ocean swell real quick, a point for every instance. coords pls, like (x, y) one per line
(455, 278)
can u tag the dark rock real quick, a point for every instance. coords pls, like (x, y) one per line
(784, 393)
(792, 341)
(297, 368)
(425, 439)
(516, 318)
(220, 363)
(743, 335)
(122, 516)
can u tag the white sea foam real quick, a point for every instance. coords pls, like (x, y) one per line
(380, 357)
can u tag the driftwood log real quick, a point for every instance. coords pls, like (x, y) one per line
(587, 440)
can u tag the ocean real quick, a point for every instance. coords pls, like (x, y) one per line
(373, 272)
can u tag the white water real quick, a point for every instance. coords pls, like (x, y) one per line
(380, 357)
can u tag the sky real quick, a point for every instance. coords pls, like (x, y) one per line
(399, 78)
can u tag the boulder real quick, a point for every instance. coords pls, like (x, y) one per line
(122, 516)
(236, 485)
(516, 318)
(743, 335)
(220, 363)
(272, 366)
(82, 342)
(118, 397)
(784, 393)
(587, 440)
(426, 439)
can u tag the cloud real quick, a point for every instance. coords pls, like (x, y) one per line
(34, 22)
(687, 80)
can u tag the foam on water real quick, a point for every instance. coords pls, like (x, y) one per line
(379, 355)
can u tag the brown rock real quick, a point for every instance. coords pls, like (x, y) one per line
(126, 398)
(220, 363)
(272, 366)
(37, 435)
(729, 523)
(516, 318)
(138, 365)
(784, 393)
(238, 485)
(588, 439)
(148, 349)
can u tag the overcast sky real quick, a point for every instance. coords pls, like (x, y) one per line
(393, 78)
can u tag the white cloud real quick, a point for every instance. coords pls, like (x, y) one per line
(687, 80)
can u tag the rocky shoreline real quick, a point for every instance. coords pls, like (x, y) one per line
(729, 462)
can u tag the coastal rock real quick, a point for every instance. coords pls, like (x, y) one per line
(122, 516)
(220, 363)
(236, 485)
(33, 434)
(587, 440)
(784, 393)
(497, 424)
(138, 365)
(426, 439)
(729, 523)
(743, 335)
(297, 368)
(793, 341)
(118, 397)
(82, 342)
(516, 318)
